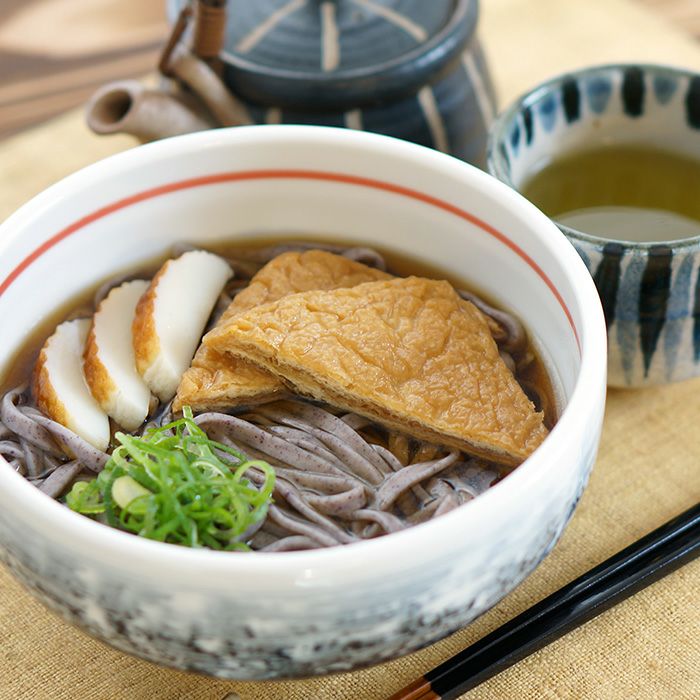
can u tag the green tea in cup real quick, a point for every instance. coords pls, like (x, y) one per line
(612, 155)
(626, 192)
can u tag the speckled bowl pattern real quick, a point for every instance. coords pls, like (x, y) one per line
(650, 292)
(302, 613)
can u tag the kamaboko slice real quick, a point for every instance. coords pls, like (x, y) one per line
(109, 362)
(60, 389)
(171, 316)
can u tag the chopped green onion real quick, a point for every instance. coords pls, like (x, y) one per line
(176, 485)
(129, 495)
(85, 497)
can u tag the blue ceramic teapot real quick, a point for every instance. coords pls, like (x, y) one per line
(412, 69)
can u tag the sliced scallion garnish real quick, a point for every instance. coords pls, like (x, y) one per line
(176, 485)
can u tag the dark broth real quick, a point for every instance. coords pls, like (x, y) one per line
(621, 192)
(20, 366)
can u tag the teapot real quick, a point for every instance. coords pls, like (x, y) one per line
(411, 69)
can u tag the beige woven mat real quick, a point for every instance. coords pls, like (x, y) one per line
(648, 468)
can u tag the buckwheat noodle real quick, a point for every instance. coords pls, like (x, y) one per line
(340, 477)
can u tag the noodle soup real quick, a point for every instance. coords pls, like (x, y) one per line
(265, 452)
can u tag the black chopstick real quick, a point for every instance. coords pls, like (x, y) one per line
(642, 563)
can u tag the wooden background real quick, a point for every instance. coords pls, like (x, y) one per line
(55, 53)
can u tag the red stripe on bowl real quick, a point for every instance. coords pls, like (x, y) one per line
(219, 178)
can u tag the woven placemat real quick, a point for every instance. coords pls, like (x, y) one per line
(647, 471)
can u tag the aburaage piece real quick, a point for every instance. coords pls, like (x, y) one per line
(216, 380)
(407, 352)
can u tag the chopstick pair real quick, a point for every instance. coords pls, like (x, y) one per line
(642, 563)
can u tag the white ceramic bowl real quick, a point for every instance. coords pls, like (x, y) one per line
(302, 613)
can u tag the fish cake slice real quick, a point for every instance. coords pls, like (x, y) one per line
(407, 352)
(108, 361)
(170, 318)
(59, 387)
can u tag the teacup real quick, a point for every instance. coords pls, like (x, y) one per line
(650, 291)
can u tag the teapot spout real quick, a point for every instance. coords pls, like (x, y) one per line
(149, 114)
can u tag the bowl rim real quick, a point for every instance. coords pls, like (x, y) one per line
(498, 135)
(587, 398)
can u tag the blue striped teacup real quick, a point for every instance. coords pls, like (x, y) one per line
(650, 291)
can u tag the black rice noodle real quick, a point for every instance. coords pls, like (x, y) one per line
(340, 477)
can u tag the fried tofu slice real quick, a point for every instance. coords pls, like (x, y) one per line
(217, 380)
(407, 352)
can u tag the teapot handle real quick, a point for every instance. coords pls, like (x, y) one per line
(209, 28)
(200, 67)
(207, 37)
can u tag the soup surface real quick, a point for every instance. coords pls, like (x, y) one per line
(294, 466)
(631, 193)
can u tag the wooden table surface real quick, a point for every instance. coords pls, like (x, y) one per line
(55, 53)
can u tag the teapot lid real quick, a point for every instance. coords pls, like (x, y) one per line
(316, 54)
